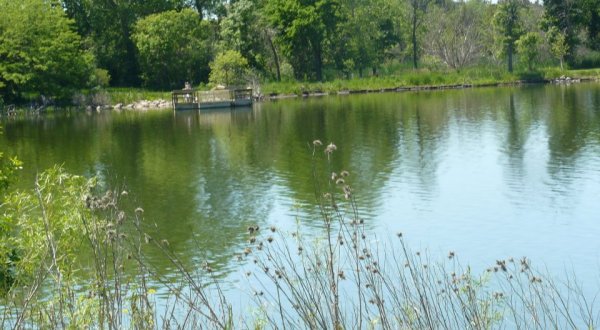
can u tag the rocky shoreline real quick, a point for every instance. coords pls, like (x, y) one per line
(139, 105)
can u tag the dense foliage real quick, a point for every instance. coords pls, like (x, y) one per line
(39, 50)
(229, 69)
(173, 48)
(162, 43)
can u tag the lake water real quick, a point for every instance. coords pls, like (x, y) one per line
(488, 173)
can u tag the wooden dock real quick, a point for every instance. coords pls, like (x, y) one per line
(190, 99)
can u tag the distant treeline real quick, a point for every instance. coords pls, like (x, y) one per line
(55, 47)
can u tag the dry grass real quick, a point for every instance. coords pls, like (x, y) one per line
(342, 278)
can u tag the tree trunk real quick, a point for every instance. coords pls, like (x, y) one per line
(275, 56)
(414, 36)
(510, 57)
(318, 62)
(561, 64)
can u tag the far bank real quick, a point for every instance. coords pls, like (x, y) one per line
(140, 98)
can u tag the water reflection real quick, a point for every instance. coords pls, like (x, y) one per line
(504, 168)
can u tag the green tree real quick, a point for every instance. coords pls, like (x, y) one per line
(567, 17)
(107, 25)
(39, 51)
(243, 30)
(508, 22)
(591, 9)
(558, 44)
(304, 30)
(365, 35)
(229, 68)
(527, 48)
(173, 47)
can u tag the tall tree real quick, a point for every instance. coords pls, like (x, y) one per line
(567, 17)
(173, 47)
(39, 51)
(591, 8)
(242, 30)
(456, 33)
(108, 24)
(508, 22)
(304, 28)
(366, 35)
(417, 11)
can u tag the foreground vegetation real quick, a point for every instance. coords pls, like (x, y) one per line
(77, 259)
(51, 50)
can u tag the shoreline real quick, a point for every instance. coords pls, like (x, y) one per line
(416, 88)
(160, 103)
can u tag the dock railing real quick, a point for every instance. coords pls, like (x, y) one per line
(242, 94)
(184, 96)
(219, 95)
(193, 99)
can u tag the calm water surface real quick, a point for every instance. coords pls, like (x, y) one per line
(488, 173)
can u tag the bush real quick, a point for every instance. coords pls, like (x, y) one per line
(8, 167)
(589, 61)
(229, 68)
(100, 78)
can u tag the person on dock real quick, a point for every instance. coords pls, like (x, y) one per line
(187, 87)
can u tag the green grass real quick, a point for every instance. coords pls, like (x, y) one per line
(478, 76)
(408, 78)
(556, 72)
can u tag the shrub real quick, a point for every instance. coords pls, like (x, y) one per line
(229, 69)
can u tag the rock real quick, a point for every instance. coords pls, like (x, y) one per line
(118, 106)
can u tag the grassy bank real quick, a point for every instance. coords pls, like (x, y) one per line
(132, 95)
(406, 79)
(421, 78)
(402, 79)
